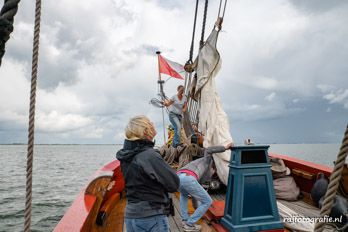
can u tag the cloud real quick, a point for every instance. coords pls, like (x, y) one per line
(265, 83)
(14, 90)
(271, 96)
(56, 122)
(287, 45)
(145, 49)
(311, 6)
(335, 95)
(280, 60)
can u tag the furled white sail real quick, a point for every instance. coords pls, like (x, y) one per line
(213, 121)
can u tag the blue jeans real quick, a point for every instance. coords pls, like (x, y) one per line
(190, 186)
(175, 120)
(148, 224)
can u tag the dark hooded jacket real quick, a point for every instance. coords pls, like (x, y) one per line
(148, 179)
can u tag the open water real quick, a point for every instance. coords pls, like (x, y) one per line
(60, 171)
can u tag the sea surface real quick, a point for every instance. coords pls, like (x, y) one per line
(60, 171)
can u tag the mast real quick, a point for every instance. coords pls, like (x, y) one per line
(160, 83)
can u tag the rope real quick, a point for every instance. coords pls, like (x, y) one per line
(181, 155)
(7, 14)
(194, 106)
(193, 35)
(219, 8)
(334, 181)
(191, 105)
(32, 117)
(223, 13)
(201, 43)
(156, 103)
(220, 19)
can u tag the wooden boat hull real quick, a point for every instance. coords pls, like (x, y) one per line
(99, 196)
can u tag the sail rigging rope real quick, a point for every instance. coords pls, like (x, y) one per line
(223, 13)
(192, 109)
(334, 182)
(7, 14)
(201, 43)
(193, 35)
(194, 104)
(30, 150)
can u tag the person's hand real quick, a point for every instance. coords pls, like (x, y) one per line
(184, 108)
(228, 146)
(165, 103)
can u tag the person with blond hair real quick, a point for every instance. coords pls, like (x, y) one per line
(176, 106)
(148, 179)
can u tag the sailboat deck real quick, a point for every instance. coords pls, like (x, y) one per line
(297, 206)
(175, 221)
(115, 220)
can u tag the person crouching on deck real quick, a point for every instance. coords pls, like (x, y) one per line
(191, 175)
(176, 106)
(148, 179)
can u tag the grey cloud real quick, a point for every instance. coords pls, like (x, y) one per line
(169, 4)
(76, 34)
(120, 8)
(316, 55)
(337, 96)
(145, 49)
(148, 49)
(251, 107)
(306, 126)
(318, 6)
(20, 52)
(75, 43)
(13, 136)
(7, 125)
(62, 70)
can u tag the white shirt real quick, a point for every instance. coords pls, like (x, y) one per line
(177, 105)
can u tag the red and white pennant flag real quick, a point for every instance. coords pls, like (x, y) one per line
(171, 68)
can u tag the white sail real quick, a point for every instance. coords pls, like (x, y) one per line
(213, 121)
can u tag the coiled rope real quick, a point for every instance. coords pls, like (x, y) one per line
(30, 150)
(7, 14)
(156, 103)
(334, 182)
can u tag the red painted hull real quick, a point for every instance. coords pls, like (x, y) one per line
(76, 217)
(305, 184)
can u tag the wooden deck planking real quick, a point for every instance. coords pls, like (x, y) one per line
(177, 218)
(175, 221)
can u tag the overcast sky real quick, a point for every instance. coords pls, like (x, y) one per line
(283, 77)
